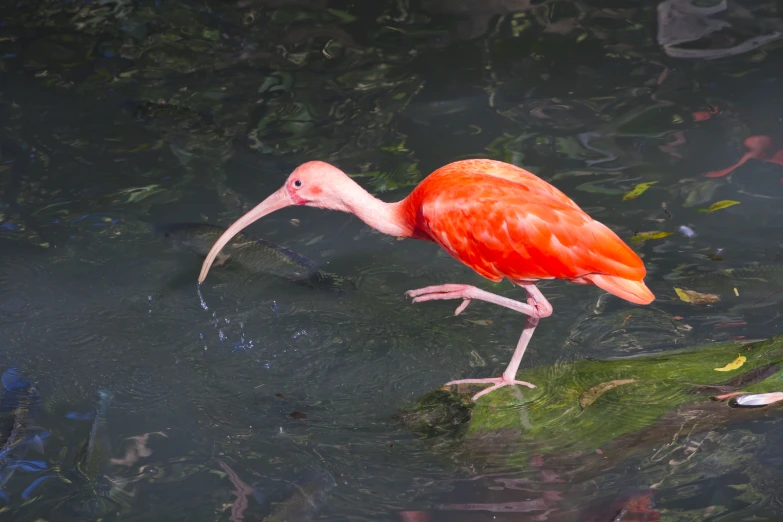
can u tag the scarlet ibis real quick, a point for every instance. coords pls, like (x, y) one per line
(758, 147)
(496, 218)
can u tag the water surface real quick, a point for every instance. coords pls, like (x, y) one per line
(117, 117)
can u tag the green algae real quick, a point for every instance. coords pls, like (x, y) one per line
(667, 398)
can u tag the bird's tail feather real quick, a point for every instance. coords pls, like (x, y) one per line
(633, 291)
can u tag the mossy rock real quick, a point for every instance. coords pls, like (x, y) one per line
(612, 408)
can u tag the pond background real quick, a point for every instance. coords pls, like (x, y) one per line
(120, 116)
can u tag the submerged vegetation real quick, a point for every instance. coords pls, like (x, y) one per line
(191, 87)
(623, 406)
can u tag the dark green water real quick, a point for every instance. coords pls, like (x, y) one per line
(120, 116)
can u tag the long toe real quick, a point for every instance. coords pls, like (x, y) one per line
(437, 289)
(489, 380)
(440, 296)
(496, 382)
(487, 391)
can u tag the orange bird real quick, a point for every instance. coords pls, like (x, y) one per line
(498, 219)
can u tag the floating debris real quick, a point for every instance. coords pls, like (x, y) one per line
(759, 399)
(685, 21)
(720, 205)
(645, 236)
(638, 190)
(687, 231)
(591, 395)
(693, 297)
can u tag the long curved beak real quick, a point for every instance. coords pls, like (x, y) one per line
(274, 202)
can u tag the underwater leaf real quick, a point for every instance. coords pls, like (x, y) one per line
(597, 187)
(733, 365)
(720, 205)
(137, 193)
(481, 322)
(693, 297)
(344, 16)
(682, 295)
(476, 360)
(699, 192)
(644, 236)
(638, 190)
(591, 395)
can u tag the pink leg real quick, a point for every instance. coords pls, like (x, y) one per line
(537, 307)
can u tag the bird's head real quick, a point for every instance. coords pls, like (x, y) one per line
(318, 184)
(314, 184)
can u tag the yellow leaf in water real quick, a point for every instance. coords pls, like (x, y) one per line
(733, 365)
(591, 395)
(143, 146)
(481, 322)
(682, 294)
(720, 205)
(693, 297)
(638, 190)
(644, 236)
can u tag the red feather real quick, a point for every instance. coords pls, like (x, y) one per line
(503, 221)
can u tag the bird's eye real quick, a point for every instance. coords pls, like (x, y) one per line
(298, 183)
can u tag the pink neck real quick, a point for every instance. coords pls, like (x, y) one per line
(342, 193)
(388, 218)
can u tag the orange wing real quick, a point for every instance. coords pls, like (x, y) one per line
(516, 225)
(498, 169)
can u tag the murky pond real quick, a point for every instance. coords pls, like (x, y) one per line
(272, 391)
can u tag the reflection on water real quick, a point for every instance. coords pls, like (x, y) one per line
(271, 395)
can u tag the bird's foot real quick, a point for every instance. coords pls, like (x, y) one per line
(441, 292)
(496, 382)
